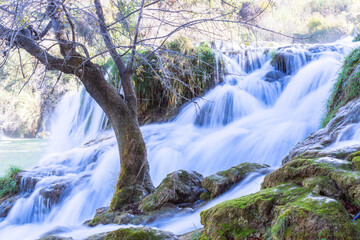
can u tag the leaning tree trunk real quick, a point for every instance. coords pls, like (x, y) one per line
(134, 181)
(134, 178)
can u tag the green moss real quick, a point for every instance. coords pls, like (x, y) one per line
(356, 162)
(282, 212)
(164, 80)
(103, 218)
(221, 181)
(353, 155)
(138, 234)
(205, 196)
(9, 184)
(247, 216)
(347, 86)
(177, 187)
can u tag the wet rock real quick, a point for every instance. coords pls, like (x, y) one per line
(273, 76)
(219, 182)
(353, 155)
(143, 233)
(356, 162)
(194, 235)
(99, 236)
(102, 216)
(54, 192)
(340, 128)
(6, 203)
(178, 187)
(53, 237)
(286, 211)
(327, 176)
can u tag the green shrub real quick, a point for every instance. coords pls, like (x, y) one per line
(347, 86)
(167, 78)
(8, 183)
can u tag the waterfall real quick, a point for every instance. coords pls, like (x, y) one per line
(257, 114)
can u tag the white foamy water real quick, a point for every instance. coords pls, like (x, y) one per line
(256, 115)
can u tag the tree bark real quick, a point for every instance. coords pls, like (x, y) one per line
(134, 181)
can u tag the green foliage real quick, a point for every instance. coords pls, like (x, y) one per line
(347, 86)
(8, 183)
(166, 79)
(357, 38)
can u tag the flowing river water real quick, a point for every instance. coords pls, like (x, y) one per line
(257, 114)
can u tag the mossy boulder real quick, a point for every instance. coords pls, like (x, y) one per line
(356, 162)
(178, 187)
(102, 216)
(353, 155)
(219, 182)
(99, 236)
(143, 233)
(327, 176)
(286, 211)
(53, 237)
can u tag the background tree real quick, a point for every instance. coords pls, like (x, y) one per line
(81, 34)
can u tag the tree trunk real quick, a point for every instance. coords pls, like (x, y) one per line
(134, 181)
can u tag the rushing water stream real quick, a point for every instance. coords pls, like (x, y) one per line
(256, 114)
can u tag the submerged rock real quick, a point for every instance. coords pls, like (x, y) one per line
(143, 233)
(273, 76)
(286, 211)
(177, 188)
(219, 182)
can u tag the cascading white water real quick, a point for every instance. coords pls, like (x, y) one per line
(77, 120)
(256, 115)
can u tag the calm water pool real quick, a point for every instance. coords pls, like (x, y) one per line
(25, 153)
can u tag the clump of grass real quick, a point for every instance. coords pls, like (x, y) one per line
(8, 184)
(347, 86)
(165, 79)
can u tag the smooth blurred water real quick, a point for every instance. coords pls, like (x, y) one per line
(247, 118)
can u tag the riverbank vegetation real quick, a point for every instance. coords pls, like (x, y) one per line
(9, 185)
(347, 86)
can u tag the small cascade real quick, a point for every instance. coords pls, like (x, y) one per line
(77, 120)
(257, 114)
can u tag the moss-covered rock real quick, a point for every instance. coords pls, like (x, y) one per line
(140, 234)
(53, 237)
(178, 187)
(356, 162)
(283, 212)
(353, 155)
(219, 182)
(326, 176)
(99, 236)
(103, 218)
